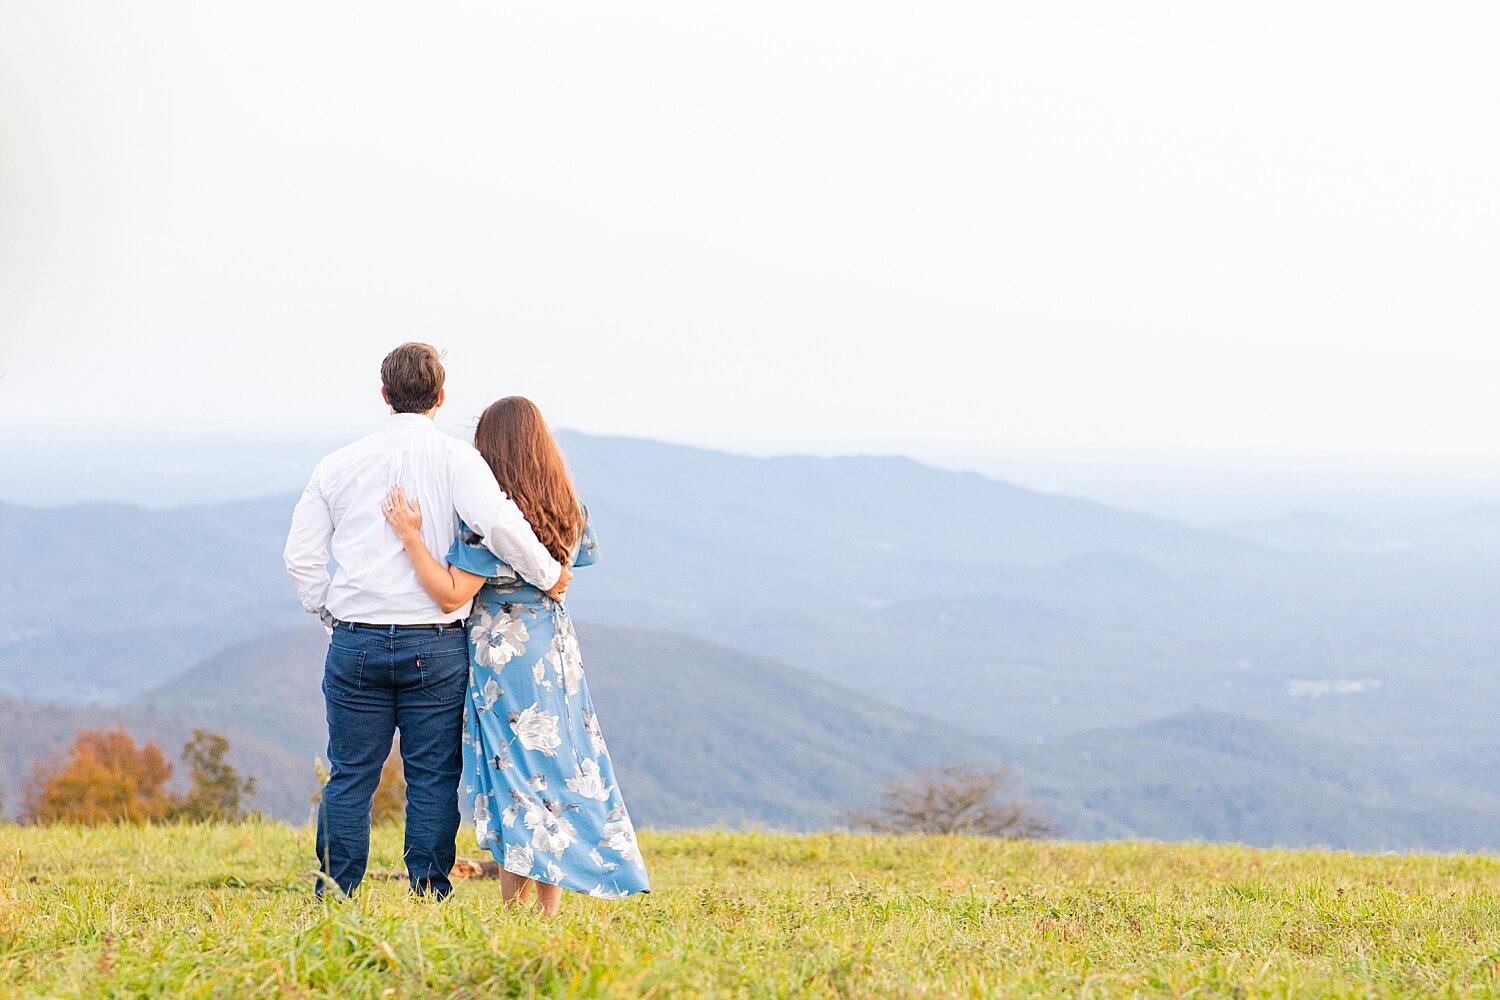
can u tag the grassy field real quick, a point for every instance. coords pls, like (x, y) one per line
(226, 911)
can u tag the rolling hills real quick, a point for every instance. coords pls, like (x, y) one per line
(703, 735)
(1025, 619)
(1074, 615)
(700, 734)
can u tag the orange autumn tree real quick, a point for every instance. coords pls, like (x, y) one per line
(106, 779)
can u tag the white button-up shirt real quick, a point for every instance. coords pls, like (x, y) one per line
(374, 582)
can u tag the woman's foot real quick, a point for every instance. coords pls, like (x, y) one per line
(514, 889)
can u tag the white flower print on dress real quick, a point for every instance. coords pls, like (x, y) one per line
(497, 638)
(485, 700)
(619, 836)
(598, 859)
(481, 817)
(550, 832)
(596, 735)
(587, 782)
(554, 874)
(509, 814)
(480, 622)
(537, 783)
(565, 658)
(599, 892)
(519, 859)
(537, 730)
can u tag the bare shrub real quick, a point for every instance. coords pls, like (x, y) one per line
(968, 799)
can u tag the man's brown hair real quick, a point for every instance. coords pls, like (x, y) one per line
(413, 377)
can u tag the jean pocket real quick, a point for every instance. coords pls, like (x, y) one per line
(344, 668)
(445, 673)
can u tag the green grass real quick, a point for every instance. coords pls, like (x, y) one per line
(226, 911)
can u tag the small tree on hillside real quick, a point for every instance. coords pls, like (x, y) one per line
(389, 805)
(320, 774)
(965, 799)
(218, 792)
(105, 779)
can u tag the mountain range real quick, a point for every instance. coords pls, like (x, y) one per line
(1016, 619)
(705, 735)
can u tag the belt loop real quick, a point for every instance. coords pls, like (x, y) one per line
(392, 632)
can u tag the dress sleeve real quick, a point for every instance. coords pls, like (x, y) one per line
(470, 554)
(588, 545)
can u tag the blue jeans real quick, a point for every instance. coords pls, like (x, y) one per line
(374, 683)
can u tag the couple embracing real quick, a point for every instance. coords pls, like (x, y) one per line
(447, 624)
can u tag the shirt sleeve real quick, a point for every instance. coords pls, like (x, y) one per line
(306, 553)
(496, 518)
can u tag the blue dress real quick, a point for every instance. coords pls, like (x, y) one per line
(538, 771)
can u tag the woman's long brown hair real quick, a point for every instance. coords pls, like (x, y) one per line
(521, 452)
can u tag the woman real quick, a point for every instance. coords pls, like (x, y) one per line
(544, 794)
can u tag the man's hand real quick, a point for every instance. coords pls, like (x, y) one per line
(560, 588)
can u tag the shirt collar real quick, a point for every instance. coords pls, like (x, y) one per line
(410, 418)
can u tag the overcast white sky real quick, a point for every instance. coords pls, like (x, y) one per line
(798, 225)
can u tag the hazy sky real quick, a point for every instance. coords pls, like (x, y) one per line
(803, 225)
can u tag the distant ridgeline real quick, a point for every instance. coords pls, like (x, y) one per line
(767, 639)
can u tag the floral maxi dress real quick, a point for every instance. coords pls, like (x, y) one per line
(538, 771)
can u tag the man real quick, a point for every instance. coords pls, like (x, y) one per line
(396, 661)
